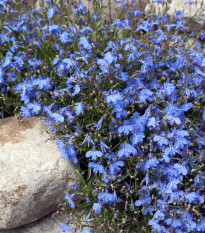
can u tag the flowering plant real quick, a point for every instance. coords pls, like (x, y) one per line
(124, 100)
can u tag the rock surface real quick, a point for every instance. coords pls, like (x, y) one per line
(33, 177)
(171, 6)
(48, 224)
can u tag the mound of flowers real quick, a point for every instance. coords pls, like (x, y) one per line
(124, 100)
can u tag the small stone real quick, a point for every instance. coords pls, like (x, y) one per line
(33, 177)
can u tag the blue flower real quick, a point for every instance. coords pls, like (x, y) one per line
(181, 168)
(79, 108)
(87, 230)
(34, 107)
(155, 225)
(42, 83)
(175, 196)
(85, 43)
(119, 109)
(165, 158)
(153, 123)
(97, 207)
(125, 150)
(203, 115)
(99, 124)
(201, 225)
(144, 95)
(172, 185)
(81, 8)
(137, 137)
(148, 209)
(142, 201)
(109, 58)
(169, 88)
(151, 162)
(186, 107)
(123, 3)
(115, 166)
(93, 154)
(158, 1)
(69, 199)
(88, 139)
(173, 222)
(51, 11)
(97, 167)
(161, 140)
(56, 117)
(191, 197)
(146, 178)
(64, 37)
(76, 90)
(106, 196)
(136, 12)
(126, 129)
(103, 146)
(75, 186)
(113, 97)
(65, 227)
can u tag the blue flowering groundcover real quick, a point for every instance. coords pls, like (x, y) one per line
(124, 99)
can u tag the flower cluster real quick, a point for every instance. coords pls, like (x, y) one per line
(125, 100)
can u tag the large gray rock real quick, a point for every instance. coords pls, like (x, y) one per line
(33, 174)
(48, 224)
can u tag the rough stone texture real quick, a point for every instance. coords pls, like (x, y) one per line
(48, 224)
(33, 177)
(171, 6)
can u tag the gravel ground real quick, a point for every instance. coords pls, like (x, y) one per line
(48, 224)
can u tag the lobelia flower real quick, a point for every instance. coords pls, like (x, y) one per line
(97, 207)
(126, 129)
(93, 154)
(64, 37)
(161, 140)
(99, 124)
(103, 146)
(69, 199)
(87, 230)
(151, 162)
(106, 197)
(51, 11)
(155, 225)
(148, 209)
(125, 150)
(201, 225)
(97, 167)
(65, 227)
(79, 108)
(85, 43)
(56, 117)
(115, 166)
(81, 8)
(173, 222)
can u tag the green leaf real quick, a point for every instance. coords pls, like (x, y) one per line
(101, 185)
(122, 33)
(89, 173)
(128, 172)
(81, 177)
(79, 127)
